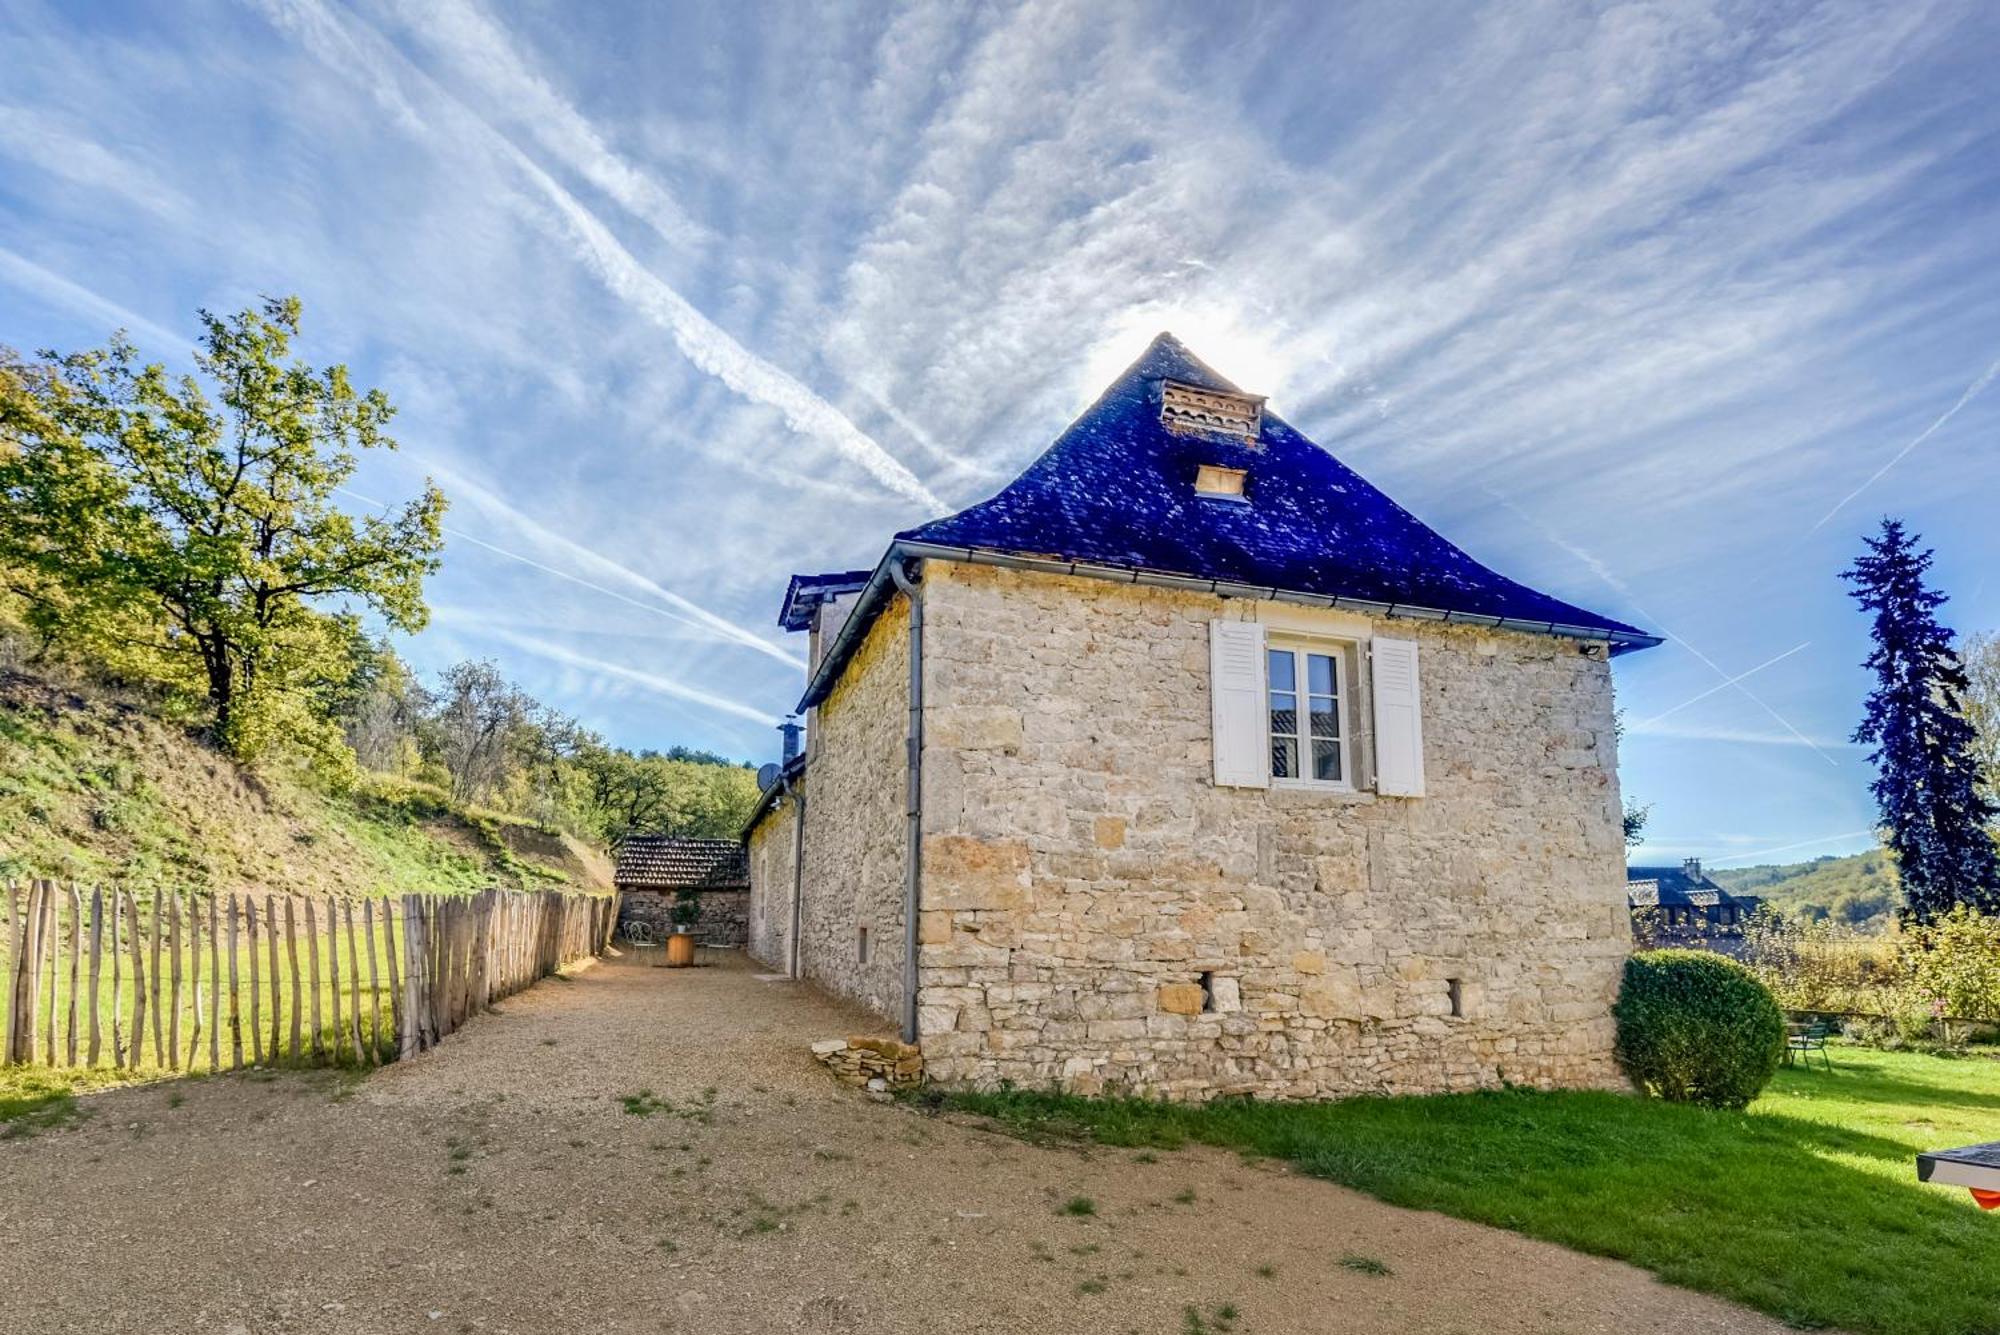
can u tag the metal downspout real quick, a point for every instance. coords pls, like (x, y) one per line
(914, 803)
(795, 967)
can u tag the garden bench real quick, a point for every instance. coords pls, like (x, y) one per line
(1807, 1039)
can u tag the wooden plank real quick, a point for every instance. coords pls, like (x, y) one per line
(156, 985)
(138, 1048)
(51, 965)
(353, 983)
(333, 976)
(256, 992)
(277, 997)
(215, 985)
(173, 936)
(235, 996)
(193, 912)
(117, 980)
(312, 963)
(292, 957)
(75, 973)
(96, 972)
(12, 977)
(389, 951)
(374, 985)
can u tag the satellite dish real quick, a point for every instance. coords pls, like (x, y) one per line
(766, 776)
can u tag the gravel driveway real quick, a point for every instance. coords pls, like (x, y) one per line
(637, 1149)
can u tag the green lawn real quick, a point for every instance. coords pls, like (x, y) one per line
(1806, 1207)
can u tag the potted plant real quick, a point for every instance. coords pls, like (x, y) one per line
(684, 914)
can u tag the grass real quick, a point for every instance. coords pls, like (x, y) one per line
(1079, 1206)
(1365, 1265)
(1806, 1207)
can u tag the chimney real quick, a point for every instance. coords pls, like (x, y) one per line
(1691, 868)
(790, 729)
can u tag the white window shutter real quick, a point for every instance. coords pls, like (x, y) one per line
(1399, 722)
(1236, 685)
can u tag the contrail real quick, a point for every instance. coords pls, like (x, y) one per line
(1971, 392)
(1624, 591)
(546, 537)
(699, 339)
(1722, 686)
(1803, 843)
(489, 55)
(650, 680)
(702, 619)
(24, 273)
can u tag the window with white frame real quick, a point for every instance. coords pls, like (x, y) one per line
(1306, 691)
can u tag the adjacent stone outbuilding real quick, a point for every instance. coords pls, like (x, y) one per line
(1229, 777)
(653, 869)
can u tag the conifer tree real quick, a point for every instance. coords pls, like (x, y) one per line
(1934, 816)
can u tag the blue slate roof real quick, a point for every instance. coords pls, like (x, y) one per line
(1117, 489)
(807, 592)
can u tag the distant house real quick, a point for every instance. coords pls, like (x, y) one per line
(1683, 905)
(1191, 764)
(652, 869)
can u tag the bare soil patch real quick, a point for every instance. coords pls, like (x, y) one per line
(635, 1149)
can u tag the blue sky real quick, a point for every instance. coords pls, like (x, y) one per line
(1656, 307)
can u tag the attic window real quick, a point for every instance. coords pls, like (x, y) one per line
(1222, 483)
(1186, 410)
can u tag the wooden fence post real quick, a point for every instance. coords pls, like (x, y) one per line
(333, 968)
(235, 997)
(215, 985)
(292, 958)
(96, 969)
(117, 980)
(138, 1051)
(397, 1007)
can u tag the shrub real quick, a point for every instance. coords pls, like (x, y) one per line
(1694, 1027)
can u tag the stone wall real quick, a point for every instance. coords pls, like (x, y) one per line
(770, 912)
(855, 824)
(724, 920)
(1098, 913)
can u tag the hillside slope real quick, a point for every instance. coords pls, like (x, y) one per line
(98, 790)
(1859, 889)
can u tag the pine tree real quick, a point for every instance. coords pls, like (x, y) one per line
(1927, 775)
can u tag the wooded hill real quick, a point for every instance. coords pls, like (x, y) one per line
(1859, 890)
(98, 789)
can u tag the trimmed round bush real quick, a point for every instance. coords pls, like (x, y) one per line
(1695, 1027)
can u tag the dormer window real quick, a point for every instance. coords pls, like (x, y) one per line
(1222, 484)
(1187, 410)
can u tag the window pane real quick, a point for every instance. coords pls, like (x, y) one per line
(1326, 761)
(1284, 714)
(1282, 670)
(1284, 757)
(1325, 717)
(1319, 674)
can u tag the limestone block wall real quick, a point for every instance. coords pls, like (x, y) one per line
(770, 912)
(855, 823)
(1098, 913)
(724, 919)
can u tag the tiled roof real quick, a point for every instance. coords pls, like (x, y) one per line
(807, 592)
(1117, 489)
(1674, 888)
(670, 862)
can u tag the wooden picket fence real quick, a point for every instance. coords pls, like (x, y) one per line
(90, 975)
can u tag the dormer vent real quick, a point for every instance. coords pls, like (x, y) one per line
(1186, 410)
(1224, 484)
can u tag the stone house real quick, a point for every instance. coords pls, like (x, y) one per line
(651, 870)
(1675, 906)
(1190, 764)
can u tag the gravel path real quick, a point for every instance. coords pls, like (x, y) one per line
(501, 1184)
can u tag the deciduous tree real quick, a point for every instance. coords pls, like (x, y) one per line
(189, 522)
